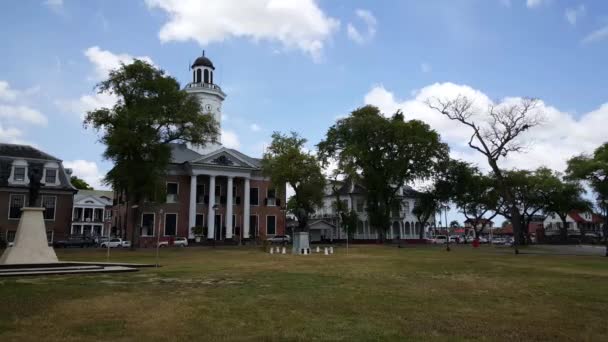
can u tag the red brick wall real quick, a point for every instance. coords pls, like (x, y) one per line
(60, 225)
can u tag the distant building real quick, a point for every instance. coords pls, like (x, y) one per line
(325, 222)
(212, 188)
(56, 192)
(575, 221)
(92, 213)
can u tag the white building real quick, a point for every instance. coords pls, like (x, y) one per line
(91, 214)
(591, 223)
(324, 223)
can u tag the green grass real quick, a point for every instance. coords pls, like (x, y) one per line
(374, 293)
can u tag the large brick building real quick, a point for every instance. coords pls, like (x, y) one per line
(217, 189)
(17, 162)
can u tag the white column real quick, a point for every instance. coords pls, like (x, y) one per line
(229, 195)
(246, 207)
(192, 212)
(211, 211)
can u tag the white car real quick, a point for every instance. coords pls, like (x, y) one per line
(116, 242)
(178, 242)
(440, 239)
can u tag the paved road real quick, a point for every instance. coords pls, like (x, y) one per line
(566, 250)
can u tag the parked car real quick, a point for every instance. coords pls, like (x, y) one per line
(116, 242)
(279, 239)
(101, 239)
(74, 241)
(483, 239)
(178, 242)
(440, 239)
(455, 239)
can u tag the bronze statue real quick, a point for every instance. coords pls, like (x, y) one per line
(35, 178)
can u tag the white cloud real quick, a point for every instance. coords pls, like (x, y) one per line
(574, 14)
(370, 21)
(230, 139)
(596, 36)
(86, 170)
(88, 102)
(6, 93)
(10, 135)
(426, 67)
(22, 113)
(298, 24)
(536, 3)
(104, 61)
(560, 137)
(254, 127)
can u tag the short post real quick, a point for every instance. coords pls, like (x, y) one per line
(331, 250)
(283, 251)
(318, 250)
(325, 251)
(271, 250)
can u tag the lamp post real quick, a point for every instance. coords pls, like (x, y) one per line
(158, 238)
(447, 228)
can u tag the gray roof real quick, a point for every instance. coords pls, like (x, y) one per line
(254, 161)
(35, 159)
(180, 154)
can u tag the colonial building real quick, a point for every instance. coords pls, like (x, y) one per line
(17, 163)
(325, 223)
(92, 213)
(576, 221)
(213, 192)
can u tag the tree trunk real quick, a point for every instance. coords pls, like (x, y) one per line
(564, 230)
(516, 223)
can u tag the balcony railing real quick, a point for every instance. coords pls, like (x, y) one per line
(204, 85)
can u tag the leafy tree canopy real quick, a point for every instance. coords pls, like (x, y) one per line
(80, 184)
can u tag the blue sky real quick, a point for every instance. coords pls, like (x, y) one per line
(298, 65)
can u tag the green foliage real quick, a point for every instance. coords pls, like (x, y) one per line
(349, 222)
(152, 111)
(454, 224)
(593, 169)
(382, 154)
(427, 204)
(80, 184)
(562, 197)
(286, 162)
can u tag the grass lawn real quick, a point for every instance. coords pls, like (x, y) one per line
(374, 293)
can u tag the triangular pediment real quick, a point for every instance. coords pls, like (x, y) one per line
(89, 200)
(223, 158)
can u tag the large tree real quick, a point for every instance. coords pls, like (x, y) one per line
(472, 192)
(494, 134)
(80, 184)
(286, 162)
(426, 206)
(151, 111)
(384, 153)
(562, 198)
(594, 170)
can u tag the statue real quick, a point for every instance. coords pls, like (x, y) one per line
(35, 184)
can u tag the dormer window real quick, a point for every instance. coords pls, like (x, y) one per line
(19, 173)
(51, 177)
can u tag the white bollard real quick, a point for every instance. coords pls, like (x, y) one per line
(318, 250)
(325, 251)
(284, 251)
(305, 251)
(271, 250)
(331, 250)
(277, 250)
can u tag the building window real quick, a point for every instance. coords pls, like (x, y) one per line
(200, 193)
(360, 204)
(10, 235)
(360, 227)
(170, 224)
(218, 193)
(147, 224)
(19, 174)
(271, 199)
(16, 203)
(49, 203)
(199, 221)
(206, 75)
(198, 76)
(172, 189)
(254, 196)
(271, 225)
(50, 176)
(76, 229)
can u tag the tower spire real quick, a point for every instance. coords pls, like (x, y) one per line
(203, 53)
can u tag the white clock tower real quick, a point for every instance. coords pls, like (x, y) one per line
(210, 96)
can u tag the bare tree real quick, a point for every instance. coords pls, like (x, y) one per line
(494, 138)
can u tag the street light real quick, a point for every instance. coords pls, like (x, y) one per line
(158, 238)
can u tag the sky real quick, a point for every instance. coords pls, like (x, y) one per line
(298, 65)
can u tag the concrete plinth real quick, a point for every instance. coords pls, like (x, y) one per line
(30, 246)
(301, 241)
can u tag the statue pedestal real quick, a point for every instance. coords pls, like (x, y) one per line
(31, 245)
(301, 240)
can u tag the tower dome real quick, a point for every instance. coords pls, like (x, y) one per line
(203, 62)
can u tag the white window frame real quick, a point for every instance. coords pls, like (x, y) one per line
(275, 225)
(165, 223)
(19, 163)
(176, 195)
(257, 224)
(275, 197)
(10, 200)
(50, 166)
(72, 229)
(141, 222)
(54, 207)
